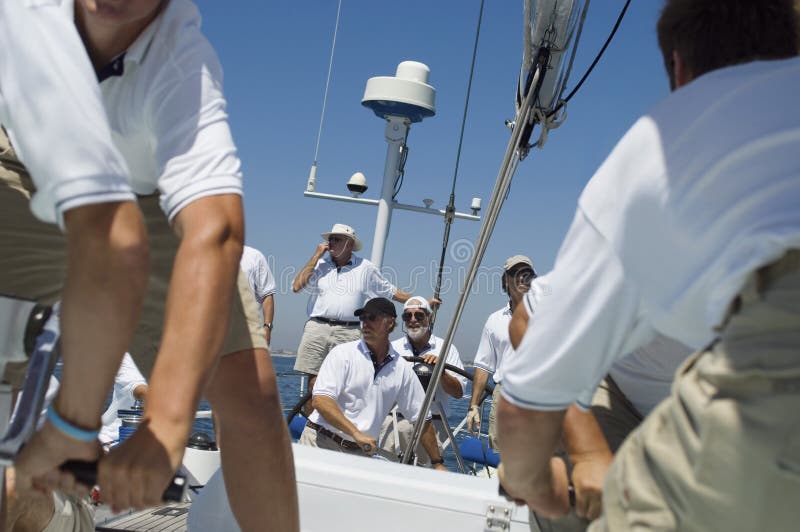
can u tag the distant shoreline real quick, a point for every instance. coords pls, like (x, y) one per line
(283, 353)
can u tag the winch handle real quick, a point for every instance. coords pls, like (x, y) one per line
(86, 474)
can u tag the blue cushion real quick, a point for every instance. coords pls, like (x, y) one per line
(473, 450)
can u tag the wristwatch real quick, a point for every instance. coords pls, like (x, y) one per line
(268, 325)
(437, 461)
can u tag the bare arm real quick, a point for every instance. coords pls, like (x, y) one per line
(479, 380)
(590, 456)
(268, 308)
(431, 446)
(529, 472)
(107, 271)
(303, 276)
(401, 297)
(200, 296)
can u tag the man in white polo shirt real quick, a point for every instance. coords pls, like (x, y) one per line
(262, 283)
(689, 229)
(160, 81)
(339, 284)
(518, 273)
(420, 342)
(359, 383)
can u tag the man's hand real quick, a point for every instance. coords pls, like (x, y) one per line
(322, 248)
(429, 359)
(474, 419)
(136, 473)
(547, 495)
(37, 464)
(435, 302)
(367, 444)
(587, 477)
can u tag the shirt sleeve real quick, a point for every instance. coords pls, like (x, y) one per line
(586, 318)
(486, 357)
(454, 359)
(265, 283)
(332, 374)
(412, 395)
(50, 105)
(195, 153)
(269, 280)
(377, 285)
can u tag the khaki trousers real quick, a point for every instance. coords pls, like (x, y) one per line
(723, 451)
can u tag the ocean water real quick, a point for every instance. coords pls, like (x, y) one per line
(289, 383)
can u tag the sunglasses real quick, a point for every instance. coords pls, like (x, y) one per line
(335, 239)
(369, 317)
(419, 316)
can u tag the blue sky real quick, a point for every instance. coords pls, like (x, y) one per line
(275, 58)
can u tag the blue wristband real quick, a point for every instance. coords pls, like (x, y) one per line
(68, 428)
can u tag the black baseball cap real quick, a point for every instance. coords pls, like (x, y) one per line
(378, 305)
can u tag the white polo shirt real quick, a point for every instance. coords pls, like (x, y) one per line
(697, 195)
(365, 397)
(404, 348)
(167, 113)
(495, 343)
(50, 106)
(337, 294)
(255, 266)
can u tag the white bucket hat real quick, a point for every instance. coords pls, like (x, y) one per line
(346, 231)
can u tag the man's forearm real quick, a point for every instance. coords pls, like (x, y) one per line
(428, 441)
(107, 272)
(268, 308)
(303, 276)
(201, 292)
(330, 411)
(582, 435)
(479, 380)
(452, 386)
(529, 440)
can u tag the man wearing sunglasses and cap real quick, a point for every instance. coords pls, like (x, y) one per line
(359, 383)
(518, 273)
(338, 285)
(420, 342)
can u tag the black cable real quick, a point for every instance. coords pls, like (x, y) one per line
(594, 63)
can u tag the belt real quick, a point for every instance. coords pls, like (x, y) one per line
(336, 322)
(347, 444)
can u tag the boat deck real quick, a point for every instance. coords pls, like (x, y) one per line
(170, 518)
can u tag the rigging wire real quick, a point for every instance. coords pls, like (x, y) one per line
(451, 208)
(594, 63)
(327, 83)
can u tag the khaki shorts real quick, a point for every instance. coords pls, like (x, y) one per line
(723, 451)
(318, 340)
(33, 264)
(614, 412)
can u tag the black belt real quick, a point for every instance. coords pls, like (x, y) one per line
(336, 322)
(347, 444)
